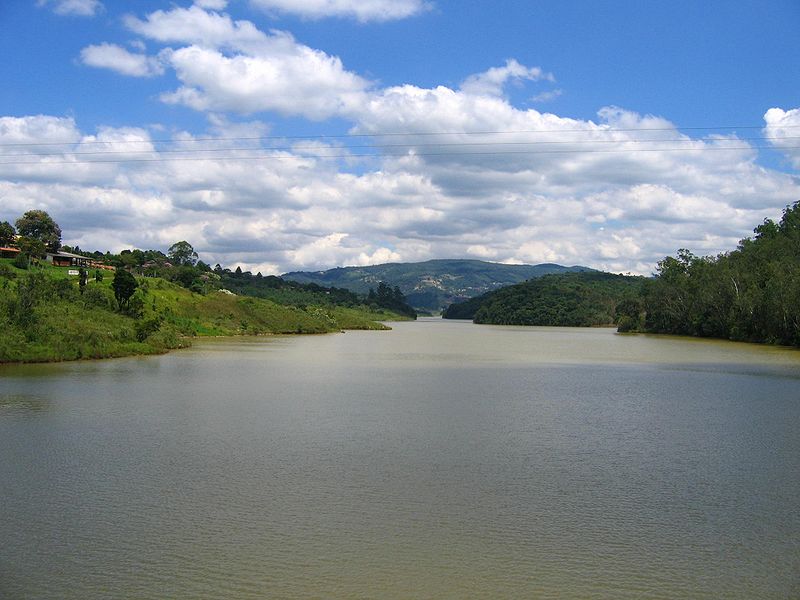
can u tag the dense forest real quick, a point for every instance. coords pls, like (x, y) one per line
(749, 294)
(570, 299)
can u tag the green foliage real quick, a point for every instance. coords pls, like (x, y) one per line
(40, 226)
(749, 294)
(22, 260)
(146, 327)
(390, 299)
(32, 247)
(98, 296)
(7, 234)
(43, 317)
(569, 299)
(124, 285)
(6, 272)
(182, 254)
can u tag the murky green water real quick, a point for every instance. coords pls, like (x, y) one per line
(438, 460)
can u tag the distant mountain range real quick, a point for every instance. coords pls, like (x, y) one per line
(433, 285)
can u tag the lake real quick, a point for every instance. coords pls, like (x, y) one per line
(437, 460)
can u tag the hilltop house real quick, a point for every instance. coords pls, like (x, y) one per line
(8, 252)
(67, 259)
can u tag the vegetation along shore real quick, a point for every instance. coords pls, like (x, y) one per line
(750, 294)
(59, 303)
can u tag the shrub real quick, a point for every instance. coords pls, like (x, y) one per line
(147, 327)
(98, 296)
(22, 260)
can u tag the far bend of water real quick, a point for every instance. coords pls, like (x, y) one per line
(437, 460)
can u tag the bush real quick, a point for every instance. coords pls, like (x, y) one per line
(98, 296)
(147, 327)
(22, 260)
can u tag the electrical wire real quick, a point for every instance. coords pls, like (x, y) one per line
(408, 154)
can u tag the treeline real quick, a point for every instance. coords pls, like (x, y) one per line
(584, 299)
(153, 301)
(390, 298)
(749, 294)
(180, 265)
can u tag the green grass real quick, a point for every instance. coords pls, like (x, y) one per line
(65, 325)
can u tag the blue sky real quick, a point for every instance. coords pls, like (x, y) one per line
(622, 130)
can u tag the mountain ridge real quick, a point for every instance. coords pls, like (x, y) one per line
(432, 285)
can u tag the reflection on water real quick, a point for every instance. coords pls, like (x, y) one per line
(438, 460)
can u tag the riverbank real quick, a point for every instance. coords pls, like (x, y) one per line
(46, 317)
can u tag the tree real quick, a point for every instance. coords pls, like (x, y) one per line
(182, 253)
(84, 278)
(31, 247)
(7, 234)
(124, 285)
(38, 225)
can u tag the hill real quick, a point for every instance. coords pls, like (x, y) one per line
(45, 315)
(568, 299)
(749, 294)
(432, 285)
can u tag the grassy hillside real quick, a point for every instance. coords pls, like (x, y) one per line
(568, 299)
(44, 317)
(432, 285)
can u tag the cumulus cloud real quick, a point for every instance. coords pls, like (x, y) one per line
(783, 131)
(81, 8)
(229, 65)
(195, 25)
(617, 192)
(293, 80)
(361, 10)
(117, 58)
(493, 81)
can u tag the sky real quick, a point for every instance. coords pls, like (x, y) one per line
(282, 135)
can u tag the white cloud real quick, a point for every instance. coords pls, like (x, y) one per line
(233, 66)
(117, 58)
(212, 4)
(81, 8)
(618, 192)
(548, 96)
(783, 131)
(283, 212)
(492, 82)
(294, 80)
(30, 130)
(194, 25)
(361, 10)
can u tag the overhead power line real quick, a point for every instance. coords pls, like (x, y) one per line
(322, 137)
(377, 146)
(396, 155)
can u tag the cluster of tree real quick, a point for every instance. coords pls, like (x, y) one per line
(580, 299)
(390, 298)
(283, 291)
(749, 294)
(36, 233)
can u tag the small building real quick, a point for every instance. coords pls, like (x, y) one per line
(67, 259)
(9, 252)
